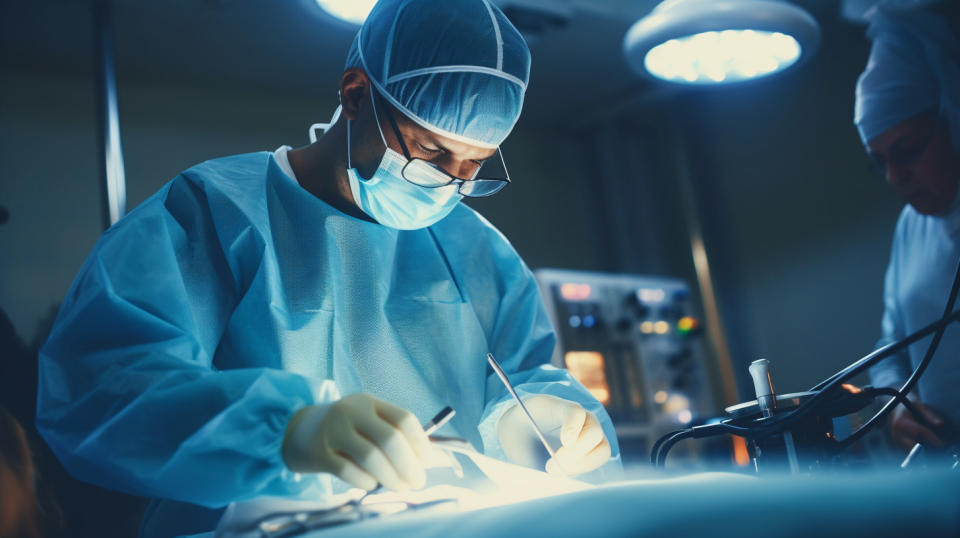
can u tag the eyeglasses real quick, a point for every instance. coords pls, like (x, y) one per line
(489, 178)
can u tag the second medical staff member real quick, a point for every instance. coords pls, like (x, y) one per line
(282, 323)
(908, 115)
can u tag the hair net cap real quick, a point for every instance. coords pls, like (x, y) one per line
(914, 66)
(457, 68)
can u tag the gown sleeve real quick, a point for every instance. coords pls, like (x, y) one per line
(523, 341)
(894, 370)
(129, 397)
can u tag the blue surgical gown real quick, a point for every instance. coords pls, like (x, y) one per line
(923, 263)
(204, 319)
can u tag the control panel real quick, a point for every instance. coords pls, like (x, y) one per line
(635, 343)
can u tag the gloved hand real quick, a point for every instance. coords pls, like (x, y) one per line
(583, 444)
(362, 440)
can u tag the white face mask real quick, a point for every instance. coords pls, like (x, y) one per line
(393, 201)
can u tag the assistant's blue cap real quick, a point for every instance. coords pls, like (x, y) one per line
(913, 67)
(456, 67)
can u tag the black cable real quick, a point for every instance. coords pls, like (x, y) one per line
(655, 449)
(658, 454)
(911, 407)
(889, 349)
(668, 444)
(948, 309)
(898, 397)
(914, 377)
(783, 422)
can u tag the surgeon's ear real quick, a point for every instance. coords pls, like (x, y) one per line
(354, 89)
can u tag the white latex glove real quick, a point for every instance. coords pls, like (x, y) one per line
(362, 440)
(583, 444)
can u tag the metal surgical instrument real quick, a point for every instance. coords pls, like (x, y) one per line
(439, 420)
(503, 377)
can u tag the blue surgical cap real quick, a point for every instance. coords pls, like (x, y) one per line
(456, 67)
(914, 67)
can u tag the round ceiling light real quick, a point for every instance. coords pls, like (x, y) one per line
(354, 11)
(720, 41)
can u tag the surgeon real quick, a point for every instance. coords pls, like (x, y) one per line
(283, 323)
(908, 116)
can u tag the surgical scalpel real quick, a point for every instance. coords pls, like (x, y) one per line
(503, 377)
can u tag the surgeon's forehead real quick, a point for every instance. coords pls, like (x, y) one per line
(914, 126)
(424, 135)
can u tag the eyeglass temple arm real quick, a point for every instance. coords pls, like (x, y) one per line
(396, 129)
(504, 162)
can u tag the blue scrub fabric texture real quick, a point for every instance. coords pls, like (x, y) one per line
(923, 263)
(209, 315)
(459, 69)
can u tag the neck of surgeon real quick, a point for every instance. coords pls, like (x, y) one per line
(321, 168)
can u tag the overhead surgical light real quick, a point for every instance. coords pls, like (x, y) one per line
(354, 11)
(720, 41)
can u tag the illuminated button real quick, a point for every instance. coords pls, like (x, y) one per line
(661, 327)
(660, 396)
(575, 292)
(651, 295)
(589, 321)
(575, 321)
(687, 325)
(646, 327)
(676, 404)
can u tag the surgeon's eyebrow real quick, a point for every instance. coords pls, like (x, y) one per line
(905, 143)
(446, 150)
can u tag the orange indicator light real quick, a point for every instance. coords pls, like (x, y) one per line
(852, 389)
(587, 368)
(575, 292)
(740, 454)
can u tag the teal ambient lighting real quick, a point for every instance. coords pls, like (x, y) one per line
(706, 42)
(354, 11)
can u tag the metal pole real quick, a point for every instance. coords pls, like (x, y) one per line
(113, 180)
(701, 262)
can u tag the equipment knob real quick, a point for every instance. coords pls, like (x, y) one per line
(641, 311)
(763, 386)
